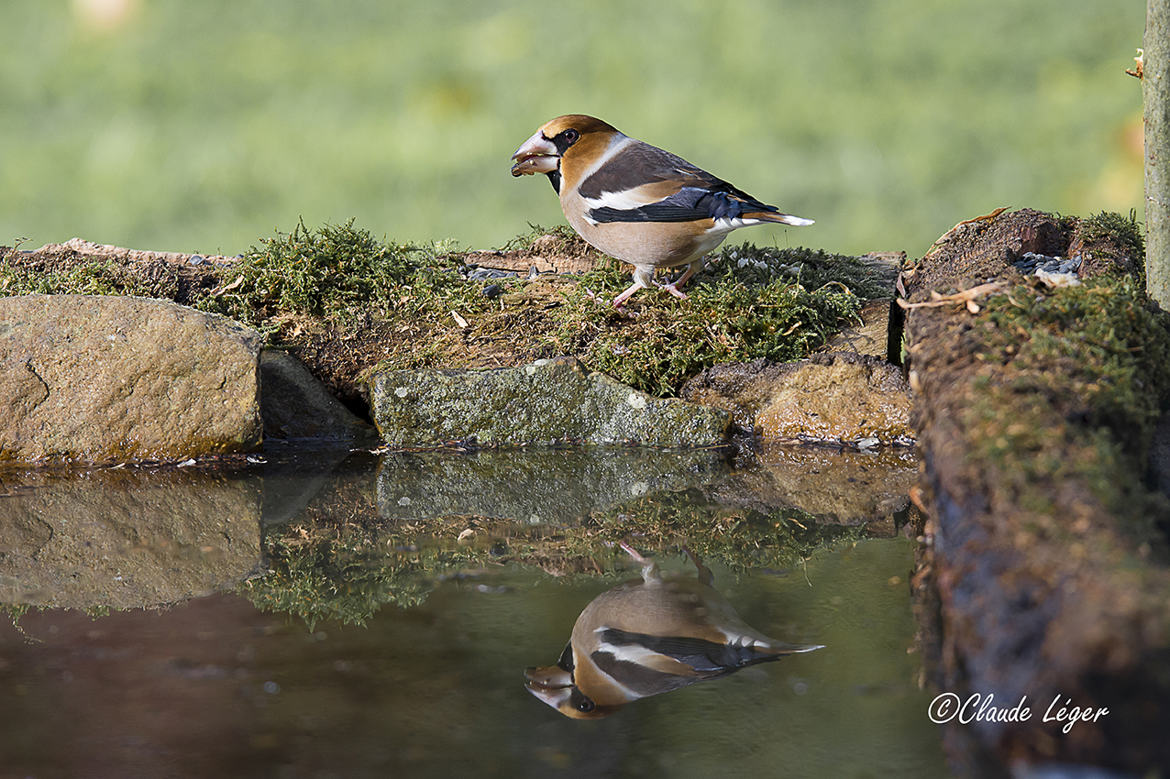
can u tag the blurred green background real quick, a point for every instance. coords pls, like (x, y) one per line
(203, 126)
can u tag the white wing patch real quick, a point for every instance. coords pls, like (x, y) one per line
(630, 653)
(725, 225)
(625, 200)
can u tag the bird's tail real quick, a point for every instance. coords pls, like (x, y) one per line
(776, 216)
(779, 648)
(759, 652)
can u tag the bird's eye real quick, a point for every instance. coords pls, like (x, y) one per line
(571, 135)
(582, 703)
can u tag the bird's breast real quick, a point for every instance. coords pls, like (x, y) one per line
(654, 244)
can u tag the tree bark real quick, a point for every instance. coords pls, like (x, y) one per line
(1156, 97)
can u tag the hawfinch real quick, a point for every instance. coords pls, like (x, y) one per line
(636, 202)
(647, 637)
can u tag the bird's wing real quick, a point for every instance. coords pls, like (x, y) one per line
(701, 656)
(643, 183)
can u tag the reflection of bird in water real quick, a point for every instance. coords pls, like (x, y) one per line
(647, 637)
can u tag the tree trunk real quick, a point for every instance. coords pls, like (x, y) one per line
(1156, 96)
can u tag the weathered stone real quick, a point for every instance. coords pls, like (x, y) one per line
(124, 538)
(870, 337)
(548, 402)
(108, 379)
(296, 406)
(833, 484)
(543, 486)
(837, 397)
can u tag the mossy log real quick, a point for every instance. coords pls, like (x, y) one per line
(1036, 409)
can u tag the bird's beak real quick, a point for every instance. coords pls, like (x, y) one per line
(536, 155)
(547, 677)
(549, 683)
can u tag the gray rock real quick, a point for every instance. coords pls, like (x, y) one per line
(543, 486)
(548, 402)
(116, 379)
(483, 274)
(296, 406)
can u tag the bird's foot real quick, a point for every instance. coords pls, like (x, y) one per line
(632, 552)
(621, 299)
(705, 575)
(674, 290)
(649, 567)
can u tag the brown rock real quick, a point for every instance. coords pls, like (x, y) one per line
(872, 336)
(836, 397)
(831, 483)
(124, 538)
(115, 379)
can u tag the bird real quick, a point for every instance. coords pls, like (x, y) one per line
(650, 636)
(638, 203)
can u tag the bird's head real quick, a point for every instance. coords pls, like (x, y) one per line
(569, 136)
(554, 686)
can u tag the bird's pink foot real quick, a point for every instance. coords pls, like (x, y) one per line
(621, 299)
(650, 572)
(632, 552)
(674, 290)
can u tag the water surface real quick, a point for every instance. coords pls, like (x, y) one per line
(350, 635)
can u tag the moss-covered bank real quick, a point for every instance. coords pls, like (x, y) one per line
(1036, 409)
(342, 301)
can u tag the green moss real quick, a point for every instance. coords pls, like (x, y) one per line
(1109, 224)
(339, 270)
(345, 578)
(338, 285)
(94, 276)
(538, 237)
(347, 571)
(742, 539)
(749, 303)
(1083, 374)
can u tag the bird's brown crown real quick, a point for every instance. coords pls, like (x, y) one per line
(580, 122)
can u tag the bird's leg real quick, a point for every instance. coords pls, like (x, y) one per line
(649, 567)
(691, 270)
(643, 278)
(705, 575)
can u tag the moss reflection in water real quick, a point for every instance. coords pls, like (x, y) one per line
(347, 570)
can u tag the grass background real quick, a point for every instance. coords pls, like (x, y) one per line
(203, 126)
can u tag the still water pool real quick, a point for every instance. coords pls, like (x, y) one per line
(329, 616)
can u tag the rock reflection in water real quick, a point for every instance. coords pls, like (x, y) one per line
(535, 486)
(124, 539)
(647, 637)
